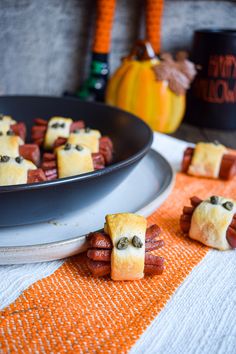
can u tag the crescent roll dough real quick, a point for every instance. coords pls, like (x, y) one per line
(5, 123)
(126, 264)
(209, 223)
(73, 162)
(12, 172)
(9, 145)
(89, 138)
(206, 160)
(57, 127)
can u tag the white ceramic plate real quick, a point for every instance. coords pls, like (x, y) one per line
(143, 191)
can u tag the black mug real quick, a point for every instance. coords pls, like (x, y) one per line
(212, 99)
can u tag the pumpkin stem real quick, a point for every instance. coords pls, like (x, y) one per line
(142, 50)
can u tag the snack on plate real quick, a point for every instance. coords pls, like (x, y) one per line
(209, 160)
(8, 125)
(45, 133)
(17, 170)
(211, 222)
(122, 248)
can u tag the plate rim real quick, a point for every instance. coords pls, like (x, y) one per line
(164, 192)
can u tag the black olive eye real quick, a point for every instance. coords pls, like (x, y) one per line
(87, 130)
(55, 125)
(67, 146)
(62, 125)
(1, 133)
(123, 243)
(4, 158)
(79, 147)
(76, 131)
(136, 242)
(19, 159)
(228, 205)
(214, 199)
(10, 132)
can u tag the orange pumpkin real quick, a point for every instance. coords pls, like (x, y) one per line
(134, 88)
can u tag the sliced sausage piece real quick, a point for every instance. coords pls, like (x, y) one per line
(231, 236)
(152, 232)
(228, 167)
(40, 121)
(49, 156)
(36, 176)
(150, 269)
(153, 245)
(100, 269)
(79, 124)
(59, 142)
(19, 129)
(30, 152)
(195, 201)
(188, 210)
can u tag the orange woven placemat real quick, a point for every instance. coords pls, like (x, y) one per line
(70, 311)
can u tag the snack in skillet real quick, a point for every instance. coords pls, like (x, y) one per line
(92, 139)
(69, 160)
(123, 248)
(9, 125)
(100, 151)
(209, 160)
(17, 170)
(13, 145)
(211, 222)
(45, 133)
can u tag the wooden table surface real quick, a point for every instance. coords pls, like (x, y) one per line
(194, 134)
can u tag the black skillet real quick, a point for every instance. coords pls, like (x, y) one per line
(32, 203)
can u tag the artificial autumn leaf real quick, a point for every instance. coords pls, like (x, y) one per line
(179, 73)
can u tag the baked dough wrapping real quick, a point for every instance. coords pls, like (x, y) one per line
(206, 160)
(87, 137)
(9, 145)
(126, 264)
(73, 161)
(5, 123)
(57, 127)
(209, 223)
(13, 172)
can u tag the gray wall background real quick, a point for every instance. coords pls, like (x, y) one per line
(45, 44)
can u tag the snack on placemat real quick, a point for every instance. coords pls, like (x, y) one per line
(122, 248)
(209, 160)
(211, 221)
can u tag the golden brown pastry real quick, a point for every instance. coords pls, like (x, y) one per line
(211, 222)
(9, 145)
(127, 259)
(5, 123)
(57, 127)
(87, 137)
(14, 170)
(73, 160)
(206, 160)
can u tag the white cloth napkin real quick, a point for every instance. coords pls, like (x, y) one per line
(200, 317)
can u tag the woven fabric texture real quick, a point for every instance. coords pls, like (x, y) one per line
(72, 311)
